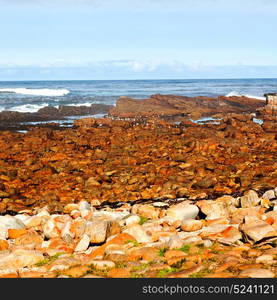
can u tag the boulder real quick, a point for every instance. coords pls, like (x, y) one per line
(182, 211)
(19, 259)
(249, 199)
(257, 273)
(213, 209)
(99, 231)
(8, 222)
(138, 232)
(83, 243)
(191, 225)
(256, 229)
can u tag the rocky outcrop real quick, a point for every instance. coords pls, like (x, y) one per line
(271, 106)
(171, 105)
(49, 113)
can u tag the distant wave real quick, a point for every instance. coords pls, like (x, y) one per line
(236, 94)
(30, 108)
(80, 104)
(36, 92)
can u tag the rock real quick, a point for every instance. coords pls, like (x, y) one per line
(119, 273)
(174, 253)
(193, 240)
(115, 249)
(66, 234)
(3, 194)
(257, 273)
(20, 258)
(70, 207)
(145, 253)
(62, 263)
(83, 243)
(172, 105)
(84, 205)
(120, 239)
(113, 228)
(132, 220)
(50, 229)
(239, 216)
(48, 110)
(175, 242)
(187, 272)
(3, 207)
(35, 221)
(207, 243)
(249, 199)
(4, 245)
(182, 211)
(92, 182)
(97, 231)
(78, 227)
(229, 235)
(138, 232)
(257, 229)
(36, 274)
(109, 215)
(10, 222)
(265, 259)
(3, 233)
(16, 233)
(191, 225)
(31, 239)
(212, 230)
(205, 183)
(147, 211)
(102, 264)
(75, 272)
(94, 108)
(269, 195)
(213, 209)
(254, 253)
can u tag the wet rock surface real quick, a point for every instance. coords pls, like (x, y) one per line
(108, 161)
(172, 105)
(13, 120)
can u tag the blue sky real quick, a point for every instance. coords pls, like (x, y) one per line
(138, 39)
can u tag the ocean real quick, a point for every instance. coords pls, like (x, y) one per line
(30, 96)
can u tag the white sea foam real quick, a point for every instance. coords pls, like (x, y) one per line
(236, 94)
(31, 108)
(79, 104)
(28, 107)
(36, 92)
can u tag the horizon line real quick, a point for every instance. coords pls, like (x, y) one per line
(140, 79)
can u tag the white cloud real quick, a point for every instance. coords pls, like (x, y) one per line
(196, 66)
(155, 5)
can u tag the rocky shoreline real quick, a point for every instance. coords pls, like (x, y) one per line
(171, 108)
(152, 195)
(45, 117)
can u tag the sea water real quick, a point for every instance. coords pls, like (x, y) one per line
(30, 96)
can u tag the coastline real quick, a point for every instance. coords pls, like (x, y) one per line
(151, 196)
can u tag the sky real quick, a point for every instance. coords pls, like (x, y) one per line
(138, 39)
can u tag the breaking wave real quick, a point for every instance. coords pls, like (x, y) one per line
(236, 94)
(36, 92)
(30, 108)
